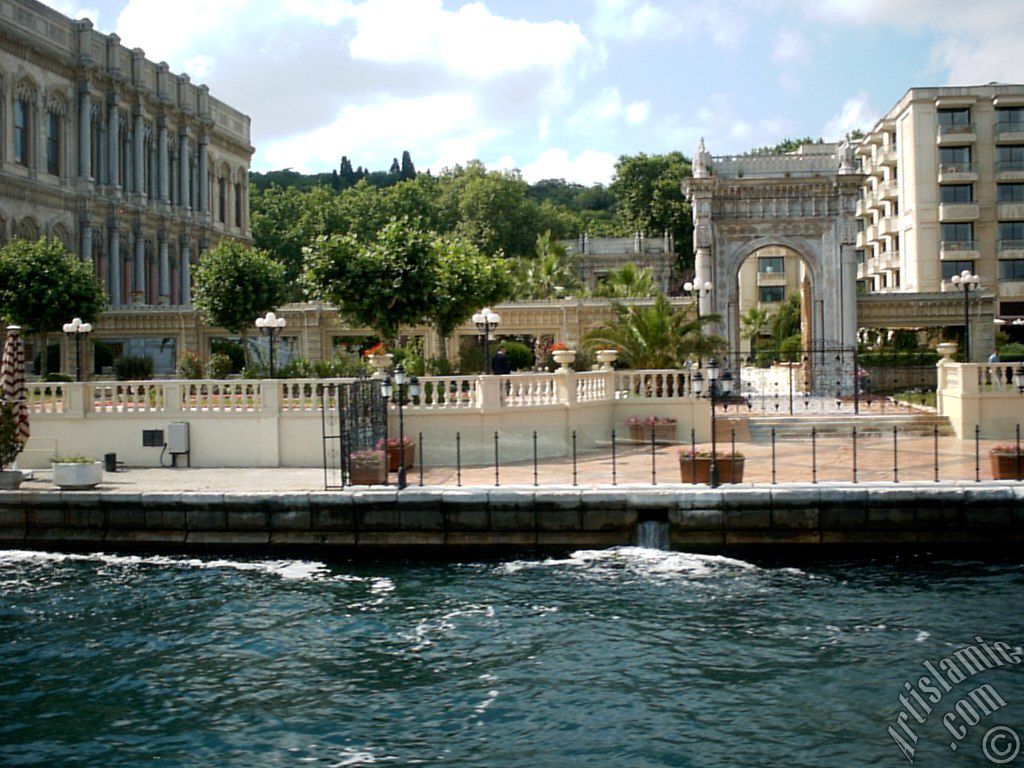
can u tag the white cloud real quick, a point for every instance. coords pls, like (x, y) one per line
(855, 113)
(543, 128)
(588, 167)
(630, 20)
(790, 46)
(638, 112)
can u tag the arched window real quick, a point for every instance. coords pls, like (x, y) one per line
(222, 200)
(22, 131)
(56, 109)
(238, 203)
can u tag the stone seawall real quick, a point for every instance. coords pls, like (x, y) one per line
(441, 519)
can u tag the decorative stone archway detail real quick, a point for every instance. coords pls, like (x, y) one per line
(803, 202)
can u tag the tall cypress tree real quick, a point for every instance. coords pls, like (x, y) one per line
(395, 169)
(408, 169)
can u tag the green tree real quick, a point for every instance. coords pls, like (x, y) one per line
(42, 286)
(547, 274)
(234, 285)
(655, 335)
(382, 284)
(464, 281)
(408, 170)
(754, 323)
(786, 320)
(627, 282)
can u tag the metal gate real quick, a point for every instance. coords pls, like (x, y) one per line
(354, 419)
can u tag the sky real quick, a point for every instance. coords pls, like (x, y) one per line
(559, 88)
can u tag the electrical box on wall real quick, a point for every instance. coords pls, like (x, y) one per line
(177, 438)
(152, 438)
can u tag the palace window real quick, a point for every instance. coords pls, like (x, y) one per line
(770, 294)
(956, 193)
(21, 132)
(222, 200)
(53, 143)
(238, 204)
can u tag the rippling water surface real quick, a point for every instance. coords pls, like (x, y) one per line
(626, 657)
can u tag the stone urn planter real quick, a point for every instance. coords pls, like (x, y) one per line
(77, 475)
(697, 469)
(381, 365)
(10, 479)
(947, 349)
(404, 453)
(1003, 459)
(606, 357)
(368, 468)
(564, 358)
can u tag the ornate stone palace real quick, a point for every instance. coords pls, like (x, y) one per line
(132, 167)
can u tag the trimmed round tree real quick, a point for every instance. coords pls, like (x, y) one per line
(42, 286)
(234, 285)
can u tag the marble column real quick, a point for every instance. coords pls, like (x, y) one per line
(702, 270)
(203, 202)
(139, 270)
(186, 273)
(86, 254)
(183, 170)
(114, 266)
(165, 272)
(164, 161)
(113, 142)
(85, 132)
(140, 155)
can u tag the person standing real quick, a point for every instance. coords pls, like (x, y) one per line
(500, 364)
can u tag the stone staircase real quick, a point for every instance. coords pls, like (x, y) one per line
(799, 427)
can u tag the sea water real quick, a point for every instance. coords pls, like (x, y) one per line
(624, 657)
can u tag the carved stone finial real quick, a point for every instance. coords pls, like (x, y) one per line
(701, 161)
(844, 154)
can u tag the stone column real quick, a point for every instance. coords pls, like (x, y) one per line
(183, 169)
(114, 264)
(702, 270)
(164, 273)
(164, 162)
(139, 270)
(140, 155)
(85, 132)
(86, 254)
(113, 141)
(203, 201)
(186, 273)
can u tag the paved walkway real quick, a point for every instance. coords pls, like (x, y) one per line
(831, 459)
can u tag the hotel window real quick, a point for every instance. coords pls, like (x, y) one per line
(1011, 232)
(1010, 158)
(953, 119)
(1010, 193)
(1011, 269)
(957, 232)
(53, 143)
(770, 294)
(771, 264)
(956, 193)
(955, 159)
(860, 255)
(1010, 118)
(951, 268)
(21, 132)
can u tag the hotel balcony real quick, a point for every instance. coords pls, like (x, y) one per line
(889, 260)
(956, 134)
(1009, 170)
(888, 225)
(862, 239)
(959, 249)
(888, 190)
(1010, 211)
(886, 156)
(862, 271)
(1010, 132)
(858, 210)
(1011, 249)
(771, 278)
(959, 211)
(955, 172)
(870, 233)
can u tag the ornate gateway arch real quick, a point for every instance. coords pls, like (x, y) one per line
(803, 202)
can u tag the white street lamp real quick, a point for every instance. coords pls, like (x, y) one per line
(271, 324)
(76, 329)
(486, 320)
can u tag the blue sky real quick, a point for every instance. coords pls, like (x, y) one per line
(561, 88)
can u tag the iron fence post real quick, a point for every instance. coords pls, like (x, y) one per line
(615, 479)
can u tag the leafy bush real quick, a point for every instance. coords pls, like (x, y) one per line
(439, 366)
(791, 347)
(520, 356)
(220, 366)
(190, 366)
(897, 359)
(58, 377)
(10, 447)
(234, 351)
(1012, 352)
(133, 368)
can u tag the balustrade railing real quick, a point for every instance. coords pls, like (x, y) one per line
(45, 398)
(221, 396)
(446, 393)
(653, 384)
(519, 391)
(128, 397)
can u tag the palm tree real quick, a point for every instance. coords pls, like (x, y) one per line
(755, 322)
(655, 335)
(629, 282)
(546, 274)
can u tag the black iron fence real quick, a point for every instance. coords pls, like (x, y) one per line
(354, 423)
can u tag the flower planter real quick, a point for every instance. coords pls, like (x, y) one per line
(406, 454)
(10, 479)
(362, 472)
(77, 476)
(607, 357)
(564, 358)
(1004, 466)
(698, 470)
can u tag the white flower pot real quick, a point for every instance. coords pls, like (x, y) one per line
(10, 479)
(78, 476)
(606, 357)
(564, 358)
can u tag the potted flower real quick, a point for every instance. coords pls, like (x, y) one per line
(398, 451)
(695, 466)
(368, 467)
(563, 356)
(379, 357)
(10, 447)
(643, 429)
(76, 472)
(1005, 462)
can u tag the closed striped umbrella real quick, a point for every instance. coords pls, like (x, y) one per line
(12, 380)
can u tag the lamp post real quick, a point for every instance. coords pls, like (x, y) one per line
(698, 291)
(76, 329)
(1019, 376)
(486, 321)
(967, 281)
(400, 387)
(712, 372)
(271, 324)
